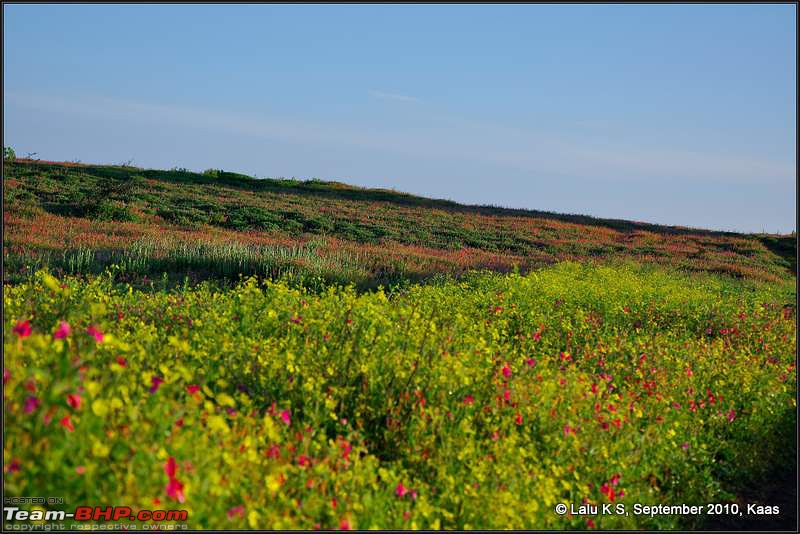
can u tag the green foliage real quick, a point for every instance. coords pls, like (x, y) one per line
(9, 154)
(431, 235)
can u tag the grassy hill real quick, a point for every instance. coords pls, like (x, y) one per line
(647, 375)
(81, 218)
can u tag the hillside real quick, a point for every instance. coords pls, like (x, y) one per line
(81, 218)
(646, 372)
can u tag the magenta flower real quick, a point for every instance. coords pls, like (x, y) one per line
(286, 417)
(506, 371)
(97, 334)
(31, 403)
(63, 330)
(469, 399)
(156, 381)
(192, 389)
(175, 490)
(22, 328)
(731, 415)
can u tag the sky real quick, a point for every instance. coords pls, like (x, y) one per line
(672, 114)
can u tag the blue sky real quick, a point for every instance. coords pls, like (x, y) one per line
(675, 114)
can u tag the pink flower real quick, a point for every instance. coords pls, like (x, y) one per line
(22, 328)
(31, 403)
(236, 510)
(171, 467)
(344, 525)
(192, 389)
(175, 490)
(689, 371)
(685, 446)
(80, 470)
(74, 401)
(507, 395)
(97, 334)
(469, 399)
(506, 371)
(66, 423)
(286, 417)
(156, 381)
(531, 362)
(731, 415)
(63, 331)
(401, 490)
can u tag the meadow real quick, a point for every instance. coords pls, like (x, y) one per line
(308, 355)
(80, 219)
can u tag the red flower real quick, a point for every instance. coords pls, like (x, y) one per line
(236, 510)
(171, 467)
(13, 466)
(22, 328)
(74, 401)
(469, 399)
(122, 361)
(6, 375)
(66, 423)
(344, 525)
(63, 331)
(192, 389)
(401, 490)
(94, 332)
(519, 419)
(506, 371)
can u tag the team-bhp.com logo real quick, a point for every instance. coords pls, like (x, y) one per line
(94, 513)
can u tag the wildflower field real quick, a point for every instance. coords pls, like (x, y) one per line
(80, 219)
(473, 402)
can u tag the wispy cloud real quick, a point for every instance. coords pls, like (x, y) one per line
(392, 96)
(541, 154)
